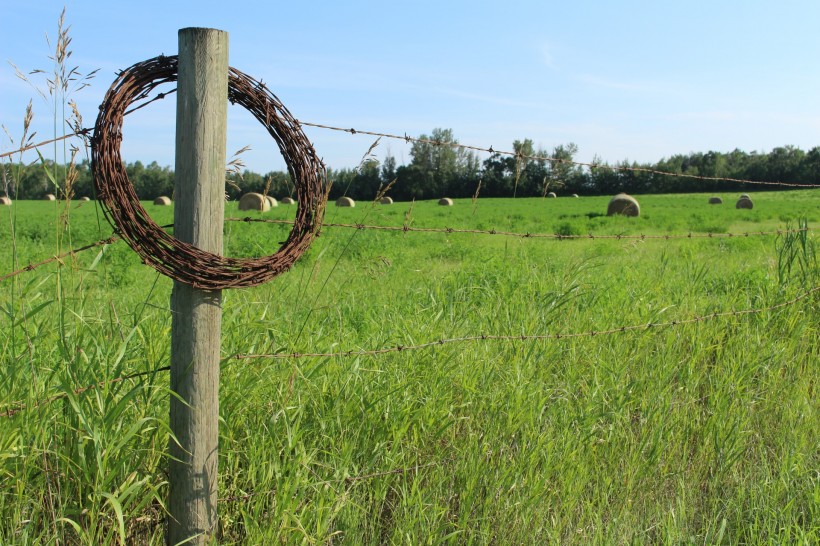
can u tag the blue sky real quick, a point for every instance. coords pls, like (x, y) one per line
(636, 80)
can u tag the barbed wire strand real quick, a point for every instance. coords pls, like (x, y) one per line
(17, 407)
(491, 150)
(530, 337)
(86, 132)
(523, 235)
(81, 132)
(59, 257)
(526, 235)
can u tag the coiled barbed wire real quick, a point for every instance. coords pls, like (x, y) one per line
(182, 261)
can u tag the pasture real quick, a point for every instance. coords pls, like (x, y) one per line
(703, 432)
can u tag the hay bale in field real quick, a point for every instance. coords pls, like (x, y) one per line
(271, 201)
(715, 201)
(575, 195)
(5, 200)
(386, 200)
(744, 203)
(254, 201)
(445, 202)
(50, 197)
(552, 195)
(162, 201)
(345, 201)
(744, 196)
(287, 201)
(623, 204)
(85, 198)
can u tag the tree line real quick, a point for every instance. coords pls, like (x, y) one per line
(438, 169)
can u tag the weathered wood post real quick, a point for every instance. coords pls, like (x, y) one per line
(202, 109)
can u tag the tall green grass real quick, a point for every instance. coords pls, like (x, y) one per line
(698, 433)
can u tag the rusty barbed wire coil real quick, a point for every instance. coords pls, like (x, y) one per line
(159, 249)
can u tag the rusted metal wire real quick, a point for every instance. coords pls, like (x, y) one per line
(176, 259)
(555, 160)
(81, 132)
(531, 337)
(59, 257)
(522, 235)
(18, 407)
(527, 235)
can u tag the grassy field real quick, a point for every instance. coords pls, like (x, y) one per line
(703, 433)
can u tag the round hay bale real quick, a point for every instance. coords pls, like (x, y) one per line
(744, 196)
(552, 195)
(345, 201)
(254, 201)
(5, 200)
(287, 201)
(744, 203)
(162, 201)
(386, 200)
(445, 202)
(715, 200)
(85, 198)
(623, 204)
(271, 201)
(575, 195)
(50, 197)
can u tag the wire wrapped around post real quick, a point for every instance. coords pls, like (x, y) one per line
(182, 261)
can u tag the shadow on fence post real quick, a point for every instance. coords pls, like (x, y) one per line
(196, 322)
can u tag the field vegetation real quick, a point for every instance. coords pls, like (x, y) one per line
(694, 433)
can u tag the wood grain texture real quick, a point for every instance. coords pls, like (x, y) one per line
(196, 323)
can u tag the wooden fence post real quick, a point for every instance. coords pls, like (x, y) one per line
(199, 208)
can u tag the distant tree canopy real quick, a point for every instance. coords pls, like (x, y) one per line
(438, 169)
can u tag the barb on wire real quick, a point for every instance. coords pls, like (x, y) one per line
(19, 406)
(16, 407)
(527, 235)
(556, 160)
(81, 132)
(59, 257)
(531, 337)
(405, 228)
(158, 96)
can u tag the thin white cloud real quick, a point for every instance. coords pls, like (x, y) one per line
(597, 81)
(546, 55)
(741, 116)
(486, 98)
